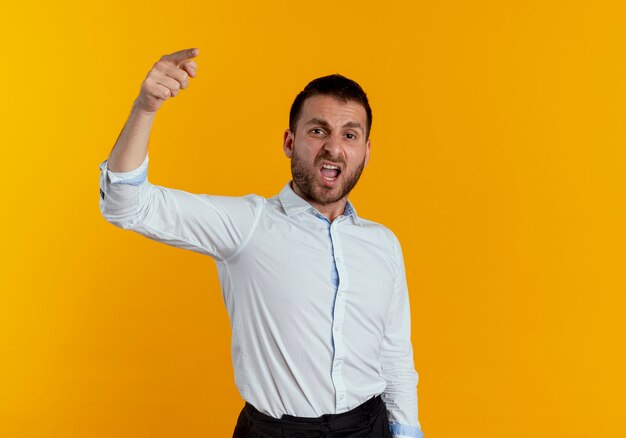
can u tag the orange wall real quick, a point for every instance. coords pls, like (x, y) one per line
(497, 158)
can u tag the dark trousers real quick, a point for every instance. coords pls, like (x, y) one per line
(369, 420)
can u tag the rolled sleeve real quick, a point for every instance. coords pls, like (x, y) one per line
(133, 177)
(398, 368)
(217, 226)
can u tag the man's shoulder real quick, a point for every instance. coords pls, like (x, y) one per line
(379, 229)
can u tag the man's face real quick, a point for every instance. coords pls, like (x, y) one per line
(329, 133)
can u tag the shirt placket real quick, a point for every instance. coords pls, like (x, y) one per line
(338, 311)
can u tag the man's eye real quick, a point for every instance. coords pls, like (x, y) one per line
(317, 131)
(351, 136)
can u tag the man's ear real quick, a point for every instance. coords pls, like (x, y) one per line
(288, 139)
(367, 151)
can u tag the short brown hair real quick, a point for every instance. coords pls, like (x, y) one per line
(334, 85)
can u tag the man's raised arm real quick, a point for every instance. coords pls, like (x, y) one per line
(166, 78)
(217, 226)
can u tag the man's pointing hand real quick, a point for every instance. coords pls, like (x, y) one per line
(168, 75)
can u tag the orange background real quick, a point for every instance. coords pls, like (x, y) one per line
(497, 158)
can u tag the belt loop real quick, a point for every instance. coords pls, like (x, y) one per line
(374, 409)
(324, 428)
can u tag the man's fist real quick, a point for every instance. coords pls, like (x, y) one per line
(168, 75)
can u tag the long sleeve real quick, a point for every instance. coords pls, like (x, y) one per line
(398, 368)
(218, 226)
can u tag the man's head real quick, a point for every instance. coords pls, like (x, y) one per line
(342, 88)
(329, 126)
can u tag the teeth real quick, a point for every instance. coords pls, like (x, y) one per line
(328, 166)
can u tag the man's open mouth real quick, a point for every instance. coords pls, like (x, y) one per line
(330, 172)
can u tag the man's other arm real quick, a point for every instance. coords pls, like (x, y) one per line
(398, 368)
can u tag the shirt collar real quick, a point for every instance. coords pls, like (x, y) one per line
(294, 204)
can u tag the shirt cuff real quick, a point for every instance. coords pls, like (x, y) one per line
(133, 177)
(399, 430)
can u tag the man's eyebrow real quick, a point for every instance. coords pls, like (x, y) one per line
(353, 125)
(316, 121)
(322, 122)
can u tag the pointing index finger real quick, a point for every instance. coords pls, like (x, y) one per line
(178, 57)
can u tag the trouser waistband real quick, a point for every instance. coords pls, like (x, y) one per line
(362, 415)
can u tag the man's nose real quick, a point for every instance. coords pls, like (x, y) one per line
(333, 145)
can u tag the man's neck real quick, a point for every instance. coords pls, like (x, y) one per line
(330, 211)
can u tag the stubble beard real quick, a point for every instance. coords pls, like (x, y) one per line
(306, 180)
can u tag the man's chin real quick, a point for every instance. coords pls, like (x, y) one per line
(320, 193)
(328, 195)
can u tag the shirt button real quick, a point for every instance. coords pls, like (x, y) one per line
(337, 363)
(340, 396)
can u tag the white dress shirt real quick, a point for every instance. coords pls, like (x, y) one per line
(319, 310)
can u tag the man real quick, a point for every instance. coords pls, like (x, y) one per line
(316, 295)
